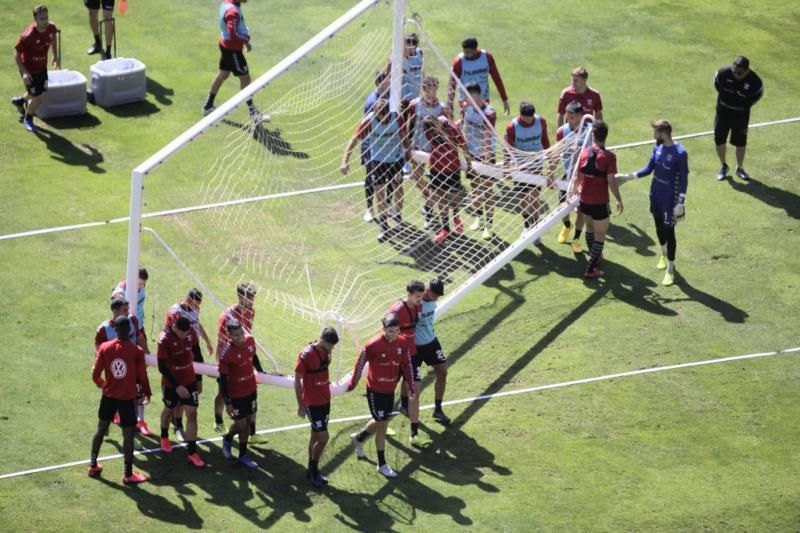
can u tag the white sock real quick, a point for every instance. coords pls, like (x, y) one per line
(664, 250)
(670, 266)
(140, 411)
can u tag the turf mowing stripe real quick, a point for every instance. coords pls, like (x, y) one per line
(425, 407)
(302, 192)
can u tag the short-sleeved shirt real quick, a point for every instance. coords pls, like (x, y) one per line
(119, 292)
(106, 332)
(418, 109)
(425, 334)
(234, 312)
(180, 310)
(179, 356)
(32, 47)
(589, 99)
(124, 366)
(444, 150)
(481, 140)
(236, 362)
(408, 317)
(312, 363)
(386, 361)
(594, 166)
(233, 30)
(385, 139)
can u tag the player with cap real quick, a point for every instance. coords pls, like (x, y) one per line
(313, 394)
(387, 355)
(429, 350)
(237, 383)
(119, 368)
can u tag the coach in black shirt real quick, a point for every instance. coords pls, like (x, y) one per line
(738, 89)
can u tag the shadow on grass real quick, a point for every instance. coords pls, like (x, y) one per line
(64, 151)
(160, 93)
(638, 239)
(729, 312)
(86, 120)
(133, 109)
(269, 139)
(772, 196)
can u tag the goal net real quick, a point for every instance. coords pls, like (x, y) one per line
(263, 199)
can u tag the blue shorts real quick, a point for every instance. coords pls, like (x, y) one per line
(662, 211)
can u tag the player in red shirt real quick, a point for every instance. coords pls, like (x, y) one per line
(105, 332)
(445, 168)
(122, 363)
(179, 384)
(476, 64)
(387, 354)
(234, 38)
(579, 91)
(30, 54)
(237, 380)
(244, 312)
(313, 394)
(596, 170)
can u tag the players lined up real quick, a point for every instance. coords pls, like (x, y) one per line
(407, 340)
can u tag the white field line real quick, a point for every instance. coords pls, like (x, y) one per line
(302, 192)
(449, 402)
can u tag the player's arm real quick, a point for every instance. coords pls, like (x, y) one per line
(758, 93)
(56, 55)
(361, 362)
(451, 87)
(716, 81)
(204, 335)
(404, 137)
(97, 369)
(141, 375)
(361, 131)
(511, 138)
(26, 76)
(642, 172)
(614, 186)
(678, 211)
(488, 135)
(498, 82)
(407, 372)
(298, 389)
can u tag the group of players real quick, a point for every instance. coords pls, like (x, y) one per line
(407, 340)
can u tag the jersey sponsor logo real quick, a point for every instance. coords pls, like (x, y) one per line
(119, 369)
(399, 350)
(475, 72)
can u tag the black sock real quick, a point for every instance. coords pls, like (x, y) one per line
(479, 212)
(251, 105)
(252, 428)
(210, 100)
(594, 254)
(97, 40)
(404, 401)
(313, 467)
(178, 421)
(589, 239)
(128, 469)
(217, 418)
(438, 407)
(362, 435)
(578, 233)
(381, 457)
(191, 446)
(414, 428)
(445, 220)
(228, 437)
(108, 51)
(93, 460)
(164, 432)
(242, 450)
(567, 223)
(383, 223)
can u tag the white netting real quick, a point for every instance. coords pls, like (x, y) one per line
(313, 256)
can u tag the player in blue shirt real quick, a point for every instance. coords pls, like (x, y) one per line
(669, 164)
(428, 348)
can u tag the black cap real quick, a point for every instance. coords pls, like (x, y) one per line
(436, 286)
(574, 107)
(122, 325)
(329, 335)
(741, 61)
(183, 323)
(116, 303)
(232, 324)
(390, 321)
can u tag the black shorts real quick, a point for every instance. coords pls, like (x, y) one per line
(245, 406)
(444, 182)
(736, 124)
(125, 408)
(38, 84)
(172, 400)
(108, 5)
(383, 173)
(431, 353)
(318, 416)
(595, 211)
(233, 61)
(380, 405)
(198, 358)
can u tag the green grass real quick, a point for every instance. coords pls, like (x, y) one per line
(706, 448)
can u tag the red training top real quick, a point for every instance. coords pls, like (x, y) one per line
(312, 363)
(594, 174)
(236, 362)
(179, 356)
(124, 367)
(589, 100)
(33, 45)
(386, 360)
(408, 317)
(444, 150)
(236, 34)
(245, 318)
(101, 335)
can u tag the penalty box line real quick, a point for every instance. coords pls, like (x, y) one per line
(302, 192)
(482, 397)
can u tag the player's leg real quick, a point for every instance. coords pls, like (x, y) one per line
(435, 357)
(418, 175)
(105, 413)
(170, 397)
(739, 140)
(371, 426)
(380, 198)
(93, 9)
(219, 408)
(563, 235)
(586, 209)
(318, 415)
(108, 14)
(721, 130)
(416, 438)
(141, 425)
(190, 408)
(369, 191)
(658, 218)
(576, 239)
(127, 417)
(455, 194)
(36, 92)
(672, 245)
(487, 201)
(399, 194)
(599, 227)
(439, 195)
(226, 66)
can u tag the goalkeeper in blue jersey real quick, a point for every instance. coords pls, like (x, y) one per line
(669, 164)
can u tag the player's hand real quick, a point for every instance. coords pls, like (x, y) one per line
(350, 388)
(229, 409)
(100, 383)
(26, 79)
(345, 168)
(210, 348)
(410, 396)
(301, 411)
(620, 207)
(679, 212)
(183, 392)
(56, 64)
(248, 46)
(506, 108)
